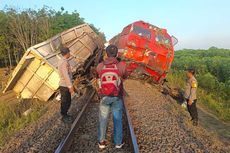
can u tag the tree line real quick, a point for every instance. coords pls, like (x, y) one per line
(212, 71)
(212, 67)
(21, 29)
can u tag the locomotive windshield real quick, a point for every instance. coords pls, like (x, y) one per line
(141, 32)
(160, 38)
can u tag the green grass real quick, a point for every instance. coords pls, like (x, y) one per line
(218, 106)
(214, 103)
(176, 80)
(12, 120)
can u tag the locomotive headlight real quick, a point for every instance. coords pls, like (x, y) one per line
(147, 52)
(131, 43)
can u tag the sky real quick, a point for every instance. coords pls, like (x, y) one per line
(198, 24)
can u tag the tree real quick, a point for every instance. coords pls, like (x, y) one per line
(5, 42)
(208, 81)
(21, 29)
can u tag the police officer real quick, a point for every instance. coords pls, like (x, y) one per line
(65, 84)
(190, 95)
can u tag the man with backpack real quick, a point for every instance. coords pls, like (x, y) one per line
(111, 73)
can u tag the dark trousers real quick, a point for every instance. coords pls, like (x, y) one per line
(65, 100)
(193, 110)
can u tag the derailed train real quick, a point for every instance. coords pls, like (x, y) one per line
(147, 49)
(143, 46)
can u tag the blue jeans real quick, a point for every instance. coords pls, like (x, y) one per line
(116, 104)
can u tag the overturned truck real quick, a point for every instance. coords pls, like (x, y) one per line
(36, 75)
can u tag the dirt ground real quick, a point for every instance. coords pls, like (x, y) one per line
(45, 134)
(214, 125)
(3, 79)
(10, 96)
(86, 137)
(207, 118)
(161, 125)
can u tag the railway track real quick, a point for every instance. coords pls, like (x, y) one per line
(159, 124)
(82, 137)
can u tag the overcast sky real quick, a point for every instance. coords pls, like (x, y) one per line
(196, 23)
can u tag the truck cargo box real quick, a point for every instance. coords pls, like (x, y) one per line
(36, 75)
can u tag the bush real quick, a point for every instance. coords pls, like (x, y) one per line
(11, 120)
(208, 81)
(176, 79)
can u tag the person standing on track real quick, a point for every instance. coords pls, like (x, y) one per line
(190, 95)
(65, 84)
(111, 72)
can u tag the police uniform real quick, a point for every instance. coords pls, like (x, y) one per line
(190, 94)
(65, 83)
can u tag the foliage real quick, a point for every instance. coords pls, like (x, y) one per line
(11, 118)
(208, 81)
(21, 29)
(213, 74)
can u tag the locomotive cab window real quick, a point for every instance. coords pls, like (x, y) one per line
(162, 39)
(141, 32)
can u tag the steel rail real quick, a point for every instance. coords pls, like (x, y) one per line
(135, 147)
(64, 145)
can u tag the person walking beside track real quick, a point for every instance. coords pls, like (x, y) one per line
(190, 95)
(111, 73)
(65, 84)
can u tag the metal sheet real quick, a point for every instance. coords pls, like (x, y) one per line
(53, 80)
(45, 50)
(34, 84)
(34, 65)
(18, 87)
(25, 78)
(36, 75)
(44, 92)
(44, 71)
(26, 93)
(53, 60)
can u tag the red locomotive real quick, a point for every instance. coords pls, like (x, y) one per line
(146, 48)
